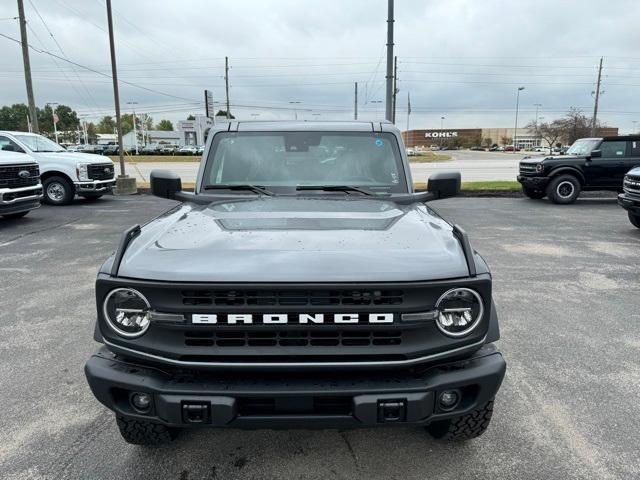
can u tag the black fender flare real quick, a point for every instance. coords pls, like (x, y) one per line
(493, 332)
(570, 170)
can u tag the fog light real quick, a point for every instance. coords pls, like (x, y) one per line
(141, 401)
(449, 399)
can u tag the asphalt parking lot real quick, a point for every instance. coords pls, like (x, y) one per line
(566, 286)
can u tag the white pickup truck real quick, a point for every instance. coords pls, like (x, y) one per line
(63, 174)
(20, 188)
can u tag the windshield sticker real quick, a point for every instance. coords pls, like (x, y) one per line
(379, 142)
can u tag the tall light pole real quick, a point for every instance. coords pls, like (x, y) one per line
(515, 130)
(295, 110)
(135, 132)
(441, 129)
(125, 185)
(54, 119)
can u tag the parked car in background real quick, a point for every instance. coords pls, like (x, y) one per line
(95, 149)
(20, 187)
(74, 148)
(151, 149)
(509, 148)
(434, 147)
(200, 150)
(590, 164)
(63, 174)
(168, 149)
(630, 198)
(477, 148)
(188, 150)
(112, 149)
(411, 152)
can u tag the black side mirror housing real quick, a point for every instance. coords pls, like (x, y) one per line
(444, 184)
(165, 184)
(596, 153)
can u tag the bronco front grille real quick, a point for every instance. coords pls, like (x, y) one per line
(291, 338)
(100, 171)
(631, 184)
(527, 168)
(292, 297)
(9, 177)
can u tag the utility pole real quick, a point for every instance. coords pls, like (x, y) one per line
(125, 185)
(597, 98)
(395, 87)
(389, 77)
(226, 83)
(27, 68)
(355, 102)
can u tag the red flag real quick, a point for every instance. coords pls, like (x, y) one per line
(55, 118)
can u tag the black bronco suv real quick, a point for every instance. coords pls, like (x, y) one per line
(303, 284)
(630, 198)
(590, 164)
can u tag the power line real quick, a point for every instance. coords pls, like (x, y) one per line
(94, 71)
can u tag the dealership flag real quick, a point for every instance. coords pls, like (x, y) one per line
(55, 118)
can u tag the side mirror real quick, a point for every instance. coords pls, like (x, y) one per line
(444, 184)
(596, 153)
(165, 184)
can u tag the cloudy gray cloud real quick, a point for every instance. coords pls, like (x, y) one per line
(462, 59)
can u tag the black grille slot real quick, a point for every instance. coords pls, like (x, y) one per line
(318, 405)
(631, 184)
(10, 178)
(291, 338)
(242, 298)
(100, 171)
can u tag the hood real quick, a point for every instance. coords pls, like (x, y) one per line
(550, 158)
(13, 158)
(73, 157)
(293, 239)
(634, 171)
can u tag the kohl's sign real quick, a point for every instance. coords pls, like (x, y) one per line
(441, 134)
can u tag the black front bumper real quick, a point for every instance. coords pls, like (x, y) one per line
(629, 203)
(536, 183)
(295, 400)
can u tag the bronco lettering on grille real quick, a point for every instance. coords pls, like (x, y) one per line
(298, 319)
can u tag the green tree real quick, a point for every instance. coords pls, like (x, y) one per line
(223, 113)
(165, 125)
(487, 142)
(106, 125)
(191, 117)
(67, 119)
(92, 132)
(14, 117)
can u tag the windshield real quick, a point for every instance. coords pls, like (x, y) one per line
(38, 143)
(292, 159)
(583, 147)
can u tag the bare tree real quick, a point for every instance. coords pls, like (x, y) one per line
(550, 132)
(505, 140)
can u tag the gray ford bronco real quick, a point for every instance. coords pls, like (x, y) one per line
(302, 284)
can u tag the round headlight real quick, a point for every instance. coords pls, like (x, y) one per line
(127, 312)
(459, 311)
(539, 167)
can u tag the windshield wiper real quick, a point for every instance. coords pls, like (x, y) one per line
(252, 188)
(335, 188)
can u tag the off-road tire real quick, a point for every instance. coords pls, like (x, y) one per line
(14, 216)
(563, 189)
(532, 193)
(634, 219)
(139, 432)
(58, 191)
(466, 427)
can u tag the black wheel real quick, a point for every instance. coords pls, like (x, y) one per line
(634, 219)
(533, 193)
(58, 191)
(90, 197)
(139, 432)
(13, 216)
(563, 189)
(466, 427)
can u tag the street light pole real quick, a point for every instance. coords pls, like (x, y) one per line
(515, 130)
(135, 132)
(53, 118)
(295, 110)
(441, 129)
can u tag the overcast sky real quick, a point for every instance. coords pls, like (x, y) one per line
(461, 59)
